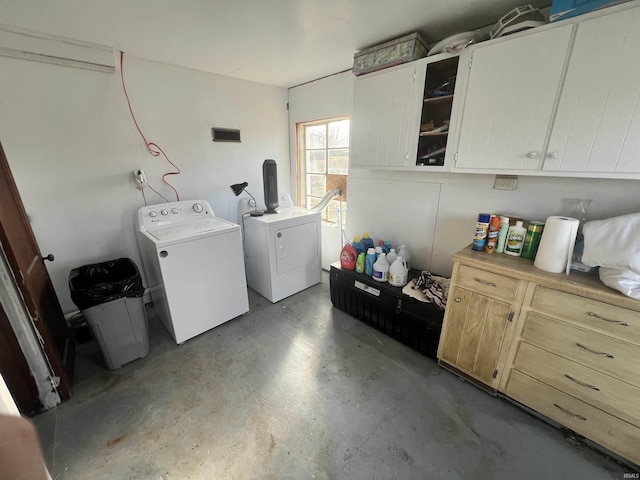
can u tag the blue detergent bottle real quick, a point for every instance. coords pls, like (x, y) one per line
(367, 241)
(357, 244)
(370, 259)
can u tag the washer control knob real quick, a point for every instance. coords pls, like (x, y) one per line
(164, 212)
(153, 214)
(197, 208)
(174, 210)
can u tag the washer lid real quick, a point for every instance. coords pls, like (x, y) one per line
(185, 230)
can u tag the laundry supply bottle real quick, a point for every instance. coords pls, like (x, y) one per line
(367, 242)
(381, 268)
(398, 273)
(369, 260)
(515, 239)
(391, 256)
(383, 245)
(404, 253)
(348, 257)
(378, 251)
(502, 234)
(357, 244)
(480, 235)
(492, 234)
(387, 245)
(360, 263)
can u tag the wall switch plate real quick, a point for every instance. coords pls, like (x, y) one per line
(505, 182)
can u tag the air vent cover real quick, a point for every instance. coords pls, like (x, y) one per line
(225, 135)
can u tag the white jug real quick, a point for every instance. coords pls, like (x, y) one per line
(398, 272)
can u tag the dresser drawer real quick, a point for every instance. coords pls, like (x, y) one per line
(602, 391)
(604, 429)
(608, 319)
(487, 283)
(599, 352)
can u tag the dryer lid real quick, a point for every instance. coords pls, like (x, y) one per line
(185, 230)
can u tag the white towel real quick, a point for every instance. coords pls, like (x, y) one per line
(614, 242)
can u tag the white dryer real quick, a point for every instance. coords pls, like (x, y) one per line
(283, 252)
(194, 266)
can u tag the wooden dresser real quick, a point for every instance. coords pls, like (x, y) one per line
(567, 347)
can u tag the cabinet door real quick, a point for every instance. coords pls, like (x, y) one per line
(384, 117)
(473, 333)
(510, 94)
(597, 126)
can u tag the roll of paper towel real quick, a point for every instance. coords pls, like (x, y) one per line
(556, 245)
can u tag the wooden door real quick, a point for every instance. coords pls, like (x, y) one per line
(27, 265)
(474, 329)
(15, 370)
(597, 126)
(508, 101)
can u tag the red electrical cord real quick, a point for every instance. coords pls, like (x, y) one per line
(151, 147)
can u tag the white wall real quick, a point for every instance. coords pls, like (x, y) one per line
(326, 98)
(434, 214)
(72, 148)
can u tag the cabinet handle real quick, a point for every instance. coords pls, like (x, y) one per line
(582, 384)
(617, 322)
(484, 282)
(552, 155)
(532, 154)
(567, 412)
(458, 299)
(603, 354)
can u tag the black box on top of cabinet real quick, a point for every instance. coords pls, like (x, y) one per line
(416, 324)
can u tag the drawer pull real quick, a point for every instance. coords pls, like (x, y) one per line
(458, 299)
(582, 384)
(567, 412)
(603, 354)
(484, 282)
(617, 322)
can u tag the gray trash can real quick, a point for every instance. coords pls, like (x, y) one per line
(109, 295)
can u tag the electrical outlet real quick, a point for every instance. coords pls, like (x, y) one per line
(140, 179)
(505, 182)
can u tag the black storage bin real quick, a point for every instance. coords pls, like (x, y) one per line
(416, 324)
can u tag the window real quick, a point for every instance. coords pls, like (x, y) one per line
(323, 165)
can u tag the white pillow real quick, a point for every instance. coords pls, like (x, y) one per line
(614, 242)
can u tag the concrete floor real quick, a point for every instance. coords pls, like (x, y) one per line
(296, 390)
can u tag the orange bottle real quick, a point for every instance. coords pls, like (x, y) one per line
(492, 234)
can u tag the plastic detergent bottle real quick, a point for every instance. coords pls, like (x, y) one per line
(360, 263)
(387, 245)
(348, 257)
(404, 253)
(369, 260)
(502, 234)
(357, 244)
(492, 234)
(383, 245)
(515, 239)
(366, 241)
(378, 251)
(391, 256)
(398, 273)
(381, 268)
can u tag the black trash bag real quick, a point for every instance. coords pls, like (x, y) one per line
(99, 283)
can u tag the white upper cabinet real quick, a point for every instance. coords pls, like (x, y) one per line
(508, 98)
(385, 116)
(597, 125)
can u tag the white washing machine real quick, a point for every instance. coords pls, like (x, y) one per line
(283, 252)
(194, 265)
